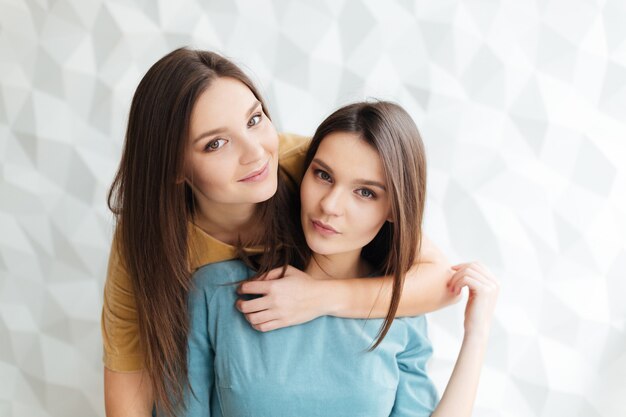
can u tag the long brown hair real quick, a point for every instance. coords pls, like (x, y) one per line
(391, 131)
(153, 209)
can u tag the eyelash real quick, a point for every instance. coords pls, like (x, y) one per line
(372, 195)
(207, 148)
(319, 173)
(259, 115)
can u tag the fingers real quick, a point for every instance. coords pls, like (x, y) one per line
(473, 275)
(252, 306)
(268, 326)
(475, 265)
(260, 317)
(275, 273)
(255, 287)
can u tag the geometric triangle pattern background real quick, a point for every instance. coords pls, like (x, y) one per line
(522, 107)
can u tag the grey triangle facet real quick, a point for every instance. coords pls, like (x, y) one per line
(355, 22)
(25, 121)
(66, 252)
(422, 96)
(294, 69)
(535, 394)
(594, 170)
(460, 206)
(613, 100)
(106, 34)
(100, 114)
(29, 143)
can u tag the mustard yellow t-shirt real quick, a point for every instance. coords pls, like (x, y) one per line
(120, 332)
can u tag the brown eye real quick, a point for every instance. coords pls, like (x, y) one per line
(254, 120)
(215, 145)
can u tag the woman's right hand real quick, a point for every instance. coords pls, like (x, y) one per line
(483, 293)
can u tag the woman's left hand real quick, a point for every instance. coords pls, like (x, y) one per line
(294, 298)
(483, 293)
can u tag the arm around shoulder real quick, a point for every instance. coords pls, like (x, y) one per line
(425, 289)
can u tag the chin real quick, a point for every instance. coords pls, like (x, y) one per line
(264, 193)
(318, 246)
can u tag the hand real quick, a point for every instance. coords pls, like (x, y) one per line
(483, 293)
(294, 298)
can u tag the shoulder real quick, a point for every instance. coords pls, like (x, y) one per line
(220, 273)
(293, 149)
(290, 143)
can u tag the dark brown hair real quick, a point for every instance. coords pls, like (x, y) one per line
(390, 130)
(153, 209)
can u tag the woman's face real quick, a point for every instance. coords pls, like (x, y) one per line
(344, 195)
(232, 153)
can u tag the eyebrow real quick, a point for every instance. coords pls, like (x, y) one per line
(223, 129)
(357, 181)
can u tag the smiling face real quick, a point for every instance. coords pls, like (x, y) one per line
(232, 153)
(344, 195)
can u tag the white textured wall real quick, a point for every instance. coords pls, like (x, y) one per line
(522, 105)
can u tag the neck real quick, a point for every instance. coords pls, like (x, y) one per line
(227, 222)
(338, 266)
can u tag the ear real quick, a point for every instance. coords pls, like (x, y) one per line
(389, 217)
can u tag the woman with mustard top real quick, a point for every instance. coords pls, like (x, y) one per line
(203, 172)
(362, 203)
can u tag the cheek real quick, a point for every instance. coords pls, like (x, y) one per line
(307, 192)
(213, 173)
(270, 137)
(370, 219)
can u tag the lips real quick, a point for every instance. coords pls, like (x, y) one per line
(256, 175)
(324, 228)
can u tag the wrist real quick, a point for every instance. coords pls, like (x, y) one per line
(476, 336)
(332, 301)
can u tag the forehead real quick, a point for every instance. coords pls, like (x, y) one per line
(225, 99)
(349, 155)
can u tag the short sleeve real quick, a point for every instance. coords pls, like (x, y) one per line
(416, 394)
(120, 331)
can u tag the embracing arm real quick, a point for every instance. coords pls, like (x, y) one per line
(425, 289)
(297, 298)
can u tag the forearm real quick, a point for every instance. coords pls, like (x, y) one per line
(424, 291)
(460, 393)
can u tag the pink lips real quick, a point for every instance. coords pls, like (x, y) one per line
(258, 175)
(323, 228)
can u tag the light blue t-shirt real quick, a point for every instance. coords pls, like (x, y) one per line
(318, 369)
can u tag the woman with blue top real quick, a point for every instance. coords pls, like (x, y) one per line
(362, 202)
(203, 171)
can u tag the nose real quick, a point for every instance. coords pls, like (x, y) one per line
(252, 149)
(332, 204)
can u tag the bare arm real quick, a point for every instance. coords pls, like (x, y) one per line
(297, 298)
(425, 289)
(127, 394)
(460, 393)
